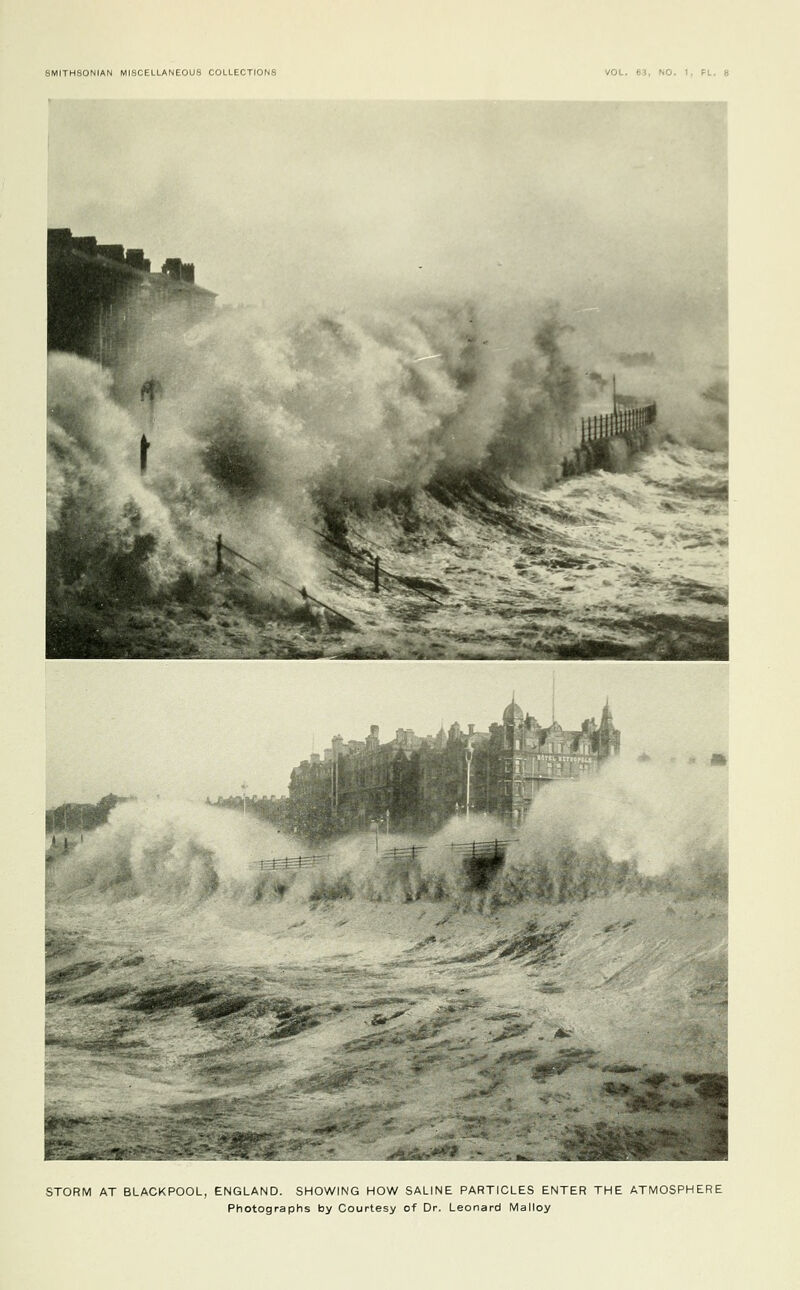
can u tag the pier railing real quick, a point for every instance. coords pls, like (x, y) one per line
(610, 424)
(493, 850)
(281, 863)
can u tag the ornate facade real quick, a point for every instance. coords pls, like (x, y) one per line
(414, 782)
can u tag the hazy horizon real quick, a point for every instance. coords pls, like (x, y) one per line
(197, 730)
(617, 210)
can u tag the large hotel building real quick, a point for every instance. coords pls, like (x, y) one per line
(415, 782)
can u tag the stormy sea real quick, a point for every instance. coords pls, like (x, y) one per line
(569, 1005)
(430, 440)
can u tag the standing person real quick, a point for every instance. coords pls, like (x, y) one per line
(144, 444)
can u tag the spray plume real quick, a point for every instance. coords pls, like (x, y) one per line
(581, 840)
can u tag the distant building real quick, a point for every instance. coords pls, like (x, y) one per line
(100, 296)
(414, 782)
(273, 810)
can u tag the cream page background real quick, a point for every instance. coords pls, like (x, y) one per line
(363, 49)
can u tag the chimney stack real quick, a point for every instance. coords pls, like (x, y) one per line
(88, 245)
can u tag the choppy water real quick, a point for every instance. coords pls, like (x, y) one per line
(196, 1011)
(624, 565)
(337, 427)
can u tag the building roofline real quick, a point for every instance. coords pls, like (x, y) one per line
(176, 284)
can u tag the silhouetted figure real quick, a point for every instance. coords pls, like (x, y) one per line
(66, 845)
(54, 840)
(144, 444)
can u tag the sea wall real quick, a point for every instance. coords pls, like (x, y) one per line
(611, 453)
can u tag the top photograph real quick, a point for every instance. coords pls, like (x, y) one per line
(409, 380)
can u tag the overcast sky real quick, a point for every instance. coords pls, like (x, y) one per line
(183, 729)
(620, 209)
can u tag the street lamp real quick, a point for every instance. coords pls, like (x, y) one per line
(244, 799)
(468, 759)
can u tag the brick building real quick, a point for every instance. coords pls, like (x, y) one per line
(415, 782)
(99, 296)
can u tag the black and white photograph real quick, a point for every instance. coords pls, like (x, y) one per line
(400, 412)
(396, 912)
(387, 379)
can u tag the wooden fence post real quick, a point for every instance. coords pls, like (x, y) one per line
(219, 553)
(377, 573)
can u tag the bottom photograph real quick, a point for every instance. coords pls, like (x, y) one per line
(375, 911)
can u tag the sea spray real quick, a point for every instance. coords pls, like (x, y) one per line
(262, 432)
(199, 1009)
(104, 526)
(586, 838)
(426, 434)
(536, 430)
(628, 826)
(170, 852)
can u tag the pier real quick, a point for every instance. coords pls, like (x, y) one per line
(632, 424)
(611, 425)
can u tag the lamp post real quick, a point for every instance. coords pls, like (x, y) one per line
(151, 390)
(244, 799)
(468, 759)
